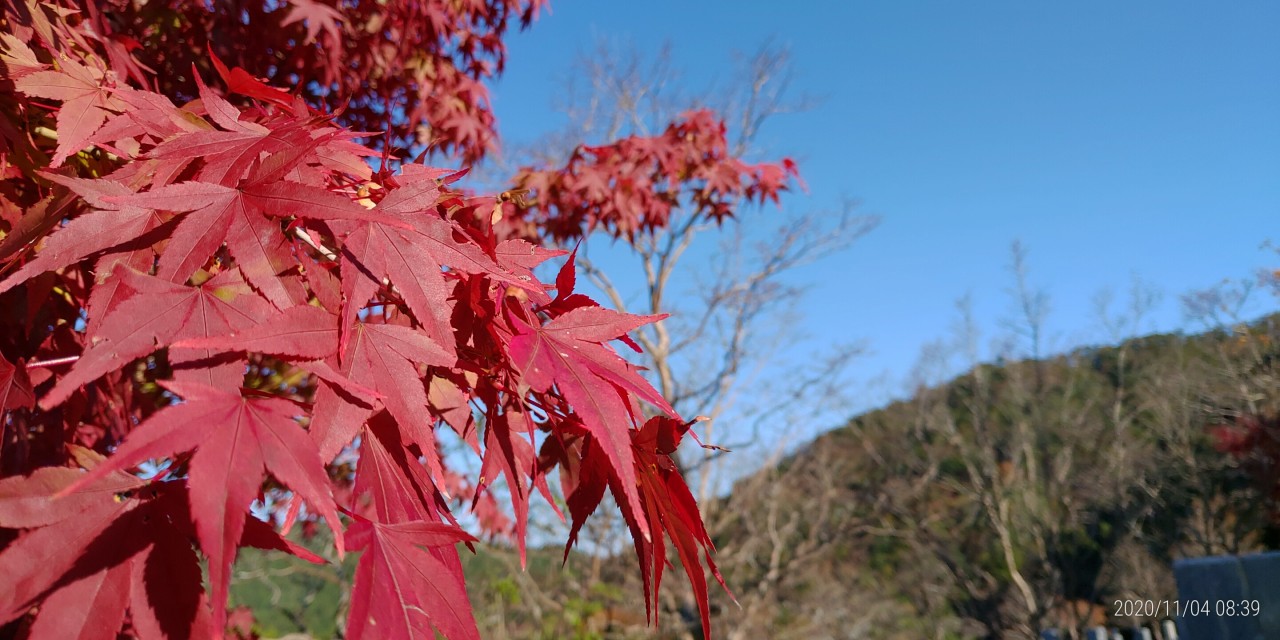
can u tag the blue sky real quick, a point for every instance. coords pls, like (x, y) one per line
(1115, 139)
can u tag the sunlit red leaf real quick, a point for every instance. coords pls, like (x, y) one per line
(382, 357)
(569, 353)
(157, 314)
(405, 587)
(236, 441)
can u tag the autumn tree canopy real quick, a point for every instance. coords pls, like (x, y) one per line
(219, 285)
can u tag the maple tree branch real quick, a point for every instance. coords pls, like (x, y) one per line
(52, 362)
(311, 242)
(660, 355)
(769, 75)
(602, 281)
(677, 242)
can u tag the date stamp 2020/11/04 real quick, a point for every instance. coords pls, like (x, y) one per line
(1228, 608)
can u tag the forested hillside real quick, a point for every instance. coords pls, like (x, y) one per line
(1014, 497)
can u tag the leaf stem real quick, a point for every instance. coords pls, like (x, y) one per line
(311, 242)
(53, 362)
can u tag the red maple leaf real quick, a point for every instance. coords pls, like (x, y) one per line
(569, 354)
(386, 358)
(241, 217)
(157, 314)
(318, 17)
(411, 255)
(303, 331)
(303, 334)
(668, 509)
(408, 583)
(19, 59)
(389, 479)
(228, 155)
(243, 83)
(85, 103)
(116, 542)
(88, 233)
(509, 454)
(236, 441)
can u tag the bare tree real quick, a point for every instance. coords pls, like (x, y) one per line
(727, 313)
(728, 350)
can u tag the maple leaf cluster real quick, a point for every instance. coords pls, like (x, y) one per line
(414, 69)
(630, 187)
(209, 299)
(1254, 442)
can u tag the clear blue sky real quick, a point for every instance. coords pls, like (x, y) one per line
(1114, 138)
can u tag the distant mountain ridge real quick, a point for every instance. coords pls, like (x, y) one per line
(1011, 498)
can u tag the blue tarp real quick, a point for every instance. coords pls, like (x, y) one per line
(1237, 597)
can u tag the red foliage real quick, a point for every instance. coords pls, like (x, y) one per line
(414, 68)
(665, 505)
(631, 186)
(220, 290)
(1254, 441)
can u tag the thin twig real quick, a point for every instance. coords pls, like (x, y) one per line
(53, 362)
(311, 242)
